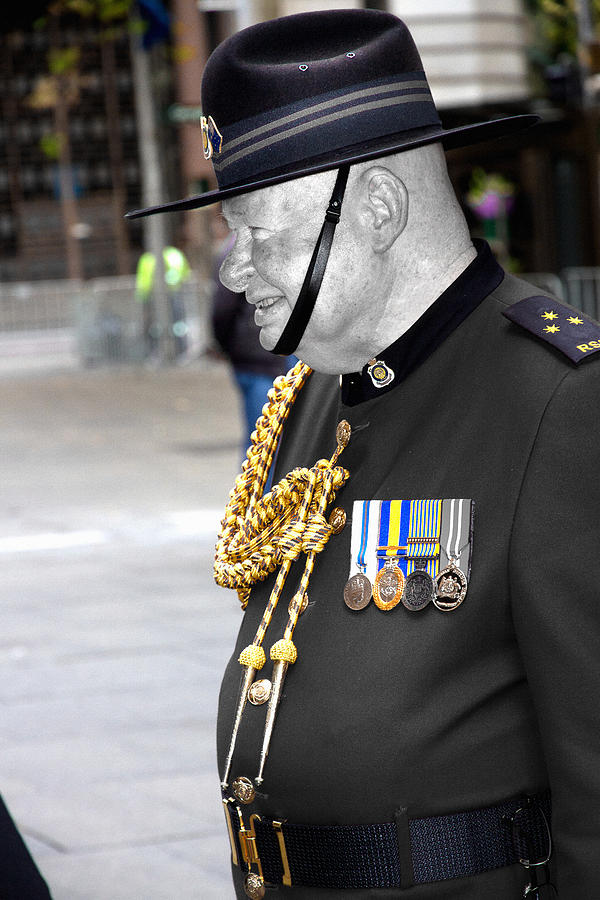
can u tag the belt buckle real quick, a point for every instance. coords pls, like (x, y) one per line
(537, 870)
(247, 838)
(244, 850)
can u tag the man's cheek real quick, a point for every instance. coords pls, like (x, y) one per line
(271, 259)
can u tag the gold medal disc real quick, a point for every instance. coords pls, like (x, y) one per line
(357, 592)
(387, 590)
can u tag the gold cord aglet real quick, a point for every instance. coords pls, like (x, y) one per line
(279, 671)
(247, 680)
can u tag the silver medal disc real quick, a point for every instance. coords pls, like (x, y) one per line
(450, 588)
(357, 592)
(418, 590)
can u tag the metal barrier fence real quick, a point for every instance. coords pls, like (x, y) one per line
(38, 305)
(100, 322)
(582, 287)
(95, 322)
(579, 286)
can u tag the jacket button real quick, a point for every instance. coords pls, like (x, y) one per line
(342, 433)
(259, 692)
(254, 886)
(337, 519)
(243, 790)
(302, 608)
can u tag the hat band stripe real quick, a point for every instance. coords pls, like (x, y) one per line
(352, 112)
(310, 109)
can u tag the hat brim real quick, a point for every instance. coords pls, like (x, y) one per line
(451, 138)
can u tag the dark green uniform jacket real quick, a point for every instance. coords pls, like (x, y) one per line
(443, 712)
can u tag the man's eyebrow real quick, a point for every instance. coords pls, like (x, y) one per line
(227, 218)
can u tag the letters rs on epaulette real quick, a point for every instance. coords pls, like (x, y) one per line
(570, 331)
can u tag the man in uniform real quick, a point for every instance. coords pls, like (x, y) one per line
(417, 702)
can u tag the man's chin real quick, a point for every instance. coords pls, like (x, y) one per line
(267, 339)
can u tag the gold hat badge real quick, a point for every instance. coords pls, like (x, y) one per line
(212, 139)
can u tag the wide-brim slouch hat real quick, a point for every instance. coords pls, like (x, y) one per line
(311, 92)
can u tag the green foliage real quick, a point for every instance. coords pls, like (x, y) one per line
(555, 23)
(63, 60)
(51, 145)
(107, 12)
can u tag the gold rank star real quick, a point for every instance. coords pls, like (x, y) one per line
(575, 320)
(552, 329)
(549, 315)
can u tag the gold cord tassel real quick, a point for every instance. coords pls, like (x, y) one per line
(284, 653)
(259, 533)
(247, 680)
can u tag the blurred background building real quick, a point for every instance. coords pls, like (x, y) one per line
(100, 110)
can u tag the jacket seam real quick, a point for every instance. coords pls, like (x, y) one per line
(523, 477)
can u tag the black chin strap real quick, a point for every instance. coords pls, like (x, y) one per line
(302, 311)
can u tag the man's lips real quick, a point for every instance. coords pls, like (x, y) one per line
(264, 308)
(264, 302)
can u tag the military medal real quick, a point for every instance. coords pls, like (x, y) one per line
(389, 581)
(358, 590)
(380, 373)
(403, 553)
(419, 588)
(422, 553)
(450, 588)
(388, 586)
(451, 583)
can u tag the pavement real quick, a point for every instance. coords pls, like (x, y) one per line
(114, 635)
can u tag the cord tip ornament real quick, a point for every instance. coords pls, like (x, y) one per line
(284, 651)
(252, 656)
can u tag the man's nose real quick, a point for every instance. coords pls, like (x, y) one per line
(237, 269)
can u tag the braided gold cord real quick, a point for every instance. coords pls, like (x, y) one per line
(241, 561)
(260, 533)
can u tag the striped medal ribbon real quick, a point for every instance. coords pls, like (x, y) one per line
(358, 589)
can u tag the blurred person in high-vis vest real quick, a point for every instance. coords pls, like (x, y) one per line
(177, 271)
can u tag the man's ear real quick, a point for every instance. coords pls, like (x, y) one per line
(384, 207)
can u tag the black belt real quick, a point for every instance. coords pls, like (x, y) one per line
(396, 854)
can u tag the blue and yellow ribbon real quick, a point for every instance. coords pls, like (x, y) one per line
(410, 530)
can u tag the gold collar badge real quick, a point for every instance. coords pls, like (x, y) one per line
(212, 139)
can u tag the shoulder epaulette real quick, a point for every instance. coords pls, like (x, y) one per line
(569, 330)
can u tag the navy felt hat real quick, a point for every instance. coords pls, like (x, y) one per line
(307, 93)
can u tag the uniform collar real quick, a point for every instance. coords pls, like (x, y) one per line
(439, 320)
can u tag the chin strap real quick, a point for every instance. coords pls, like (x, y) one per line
(302, 311)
